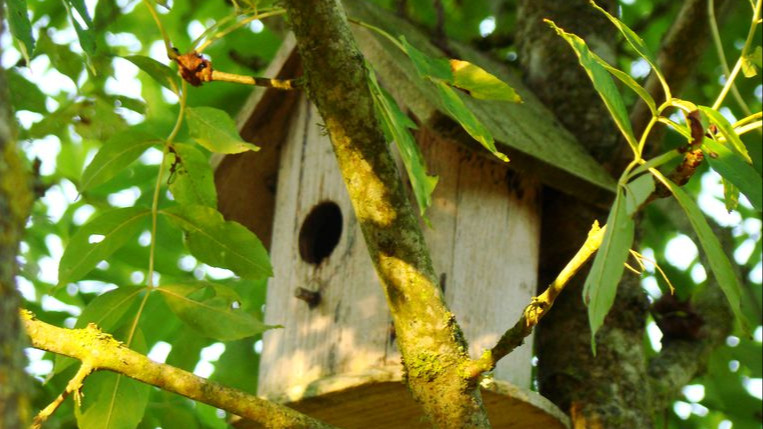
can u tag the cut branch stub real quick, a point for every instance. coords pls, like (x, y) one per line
(194, 68)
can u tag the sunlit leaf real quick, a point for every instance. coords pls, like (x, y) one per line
(719, 262)
(751, 62)
(730, 195)
(480, 84)
(113, 401)
(97, 240)
(602, 82)
(220, 243)
(732, 167)
(192, 180)
(115, 155)
(601, 284)
(158, 71)
(454, 105)
(397, 124)
(211, 309)
(20, 27)
(215, 130)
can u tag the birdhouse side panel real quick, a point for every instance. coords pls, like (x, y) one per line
(345, 329)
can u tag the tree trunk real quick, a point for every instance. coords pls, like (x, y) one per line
(15, 201)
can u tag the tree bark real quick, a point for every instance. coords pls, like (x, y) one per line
(430, 341)
(15, 201)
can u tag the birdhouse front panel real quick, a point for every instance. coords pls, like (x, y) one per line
(325, 293)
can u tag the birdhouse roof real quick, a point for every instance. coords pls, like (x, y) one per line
(527, 132)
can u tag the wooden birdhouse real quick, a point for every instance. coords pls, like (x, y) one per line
(336, 357)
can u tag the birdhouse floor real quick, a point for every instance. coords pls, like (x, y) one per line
(382, 401)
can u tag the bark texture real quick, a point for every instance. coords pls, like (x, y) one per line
(15, 201)
(430, 341)
(608, 390)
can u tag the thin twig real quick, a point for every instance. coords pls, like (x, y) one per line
(538, 308)
(74, 386)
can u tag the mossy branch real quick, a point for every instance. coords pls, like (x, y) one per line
(100, 351)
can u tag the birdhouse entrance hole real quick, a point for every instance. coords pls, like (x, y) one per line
(320, 232)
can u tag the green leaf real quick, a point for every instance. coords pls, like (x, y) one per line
(637, 191)
(158, 71)
(84, 34)
(480, 84)
(219, 243)
(79, 6)
(732, 167)
(397, 123)
(602, 82)
(192, 180)
(61, 57)
(426, 66)
(107, 311)
(209, 309)
(601, 284)
(631, 83)
(719, 262)
(113, 401)
(632, 38)
(727, 130)
(751, 62)
(730, 195)
(215, 130)
(25, 95)
(97, 240)
(114, 156)
(456, 108)
(20, 27)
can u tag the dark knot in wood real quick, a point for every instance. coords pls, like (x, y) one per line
(312, 298)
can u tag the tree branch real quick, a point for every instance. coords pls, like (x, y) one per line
(428, 336)
(16, 198)
(100, 351)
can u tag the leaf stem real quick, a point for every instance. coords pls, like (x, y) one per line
(165, 37)
(722, 56)
(158, 186)
(237, 25)
(379, 31)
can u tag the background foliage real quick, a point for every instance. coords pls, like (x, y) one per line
(78, 92)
